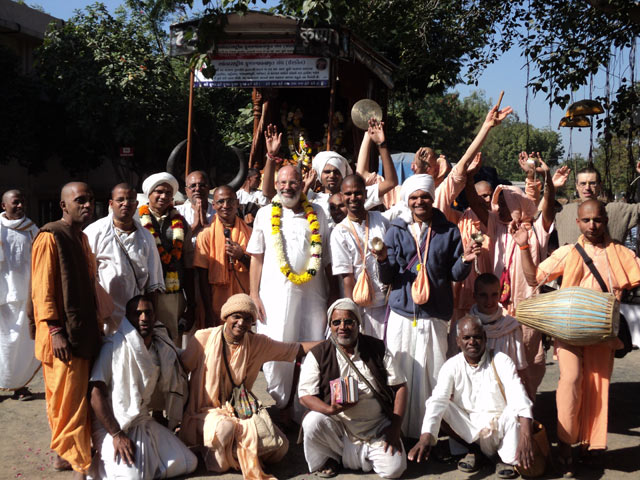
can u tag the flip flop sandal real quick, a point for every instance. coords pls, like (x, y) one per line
(505, 471)
(329, 469)
(566, 466)
(470, 463)
(23, 395)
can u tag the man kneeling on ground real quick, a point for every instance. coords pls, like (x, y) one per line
(481, 397)
(132, 362)
(220, 360)
(365, 434)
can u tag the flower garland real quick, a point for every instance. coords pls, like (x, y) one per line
(171, 279)
(316, 242)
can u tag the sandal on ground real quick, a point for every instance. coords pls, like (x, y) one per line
(329, 470)
(470, 463)
(565, 465)
(505, 471)
(60, 464)
(23, 394)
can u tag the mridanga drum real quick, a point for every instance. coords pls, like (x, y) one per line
(576, 315)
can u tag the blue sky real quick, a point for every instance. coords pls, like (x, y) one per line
(506, 74)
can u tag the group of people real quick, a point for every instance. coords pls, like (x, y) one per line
(375, 311)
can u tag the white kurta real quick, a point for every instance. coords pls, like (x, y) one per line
(295, 313)
(470, 401)
(17, 358)
(189, 214)
(354, 436)
(130, 372)
(346, 258)
(504, 334)
(256, 197)
(124, 275)
(322, 199)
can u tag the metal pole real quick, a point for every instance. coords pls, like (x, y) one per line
(187, 166)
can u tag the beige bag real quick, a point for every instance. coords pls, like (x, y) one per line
(420, 287)
(363, 293)
(270, 437)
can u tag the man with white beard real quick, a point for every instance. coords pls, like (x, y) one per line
(290, 253)
(17, 350)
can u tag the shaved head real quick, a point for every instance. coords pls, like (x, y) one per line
(592, 220)
(11, 193)
(71, 187)
(123, 186)
(594, 204)
(223, 189)
(13, 204)
(77, 204)
(225, 202)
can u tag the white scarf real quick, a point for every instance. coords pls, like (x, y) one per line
(134, 372)
(20, 224)
(497, 324)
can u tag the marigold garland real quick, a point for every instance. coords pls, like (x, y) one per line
(171, 279)
(316, 242)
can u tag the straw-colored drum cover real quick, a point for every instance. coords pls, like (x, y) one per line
(576, 315)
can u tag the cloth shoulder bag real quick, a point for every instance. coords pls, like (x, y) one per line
(505, 278)
(541, 449)
(363, 293)
(624, 333)
(247, 406)
(420, 286)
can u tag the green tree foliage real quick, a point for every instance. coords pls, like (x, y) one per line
(111, 87)
(449, 123)
(621, 166)
(111, 84)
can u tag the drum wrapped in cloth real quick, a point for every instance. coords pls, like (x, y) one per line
(576, 315)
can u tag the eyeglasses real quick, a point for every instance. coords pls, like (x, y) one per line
(347, 322)
(198, 186)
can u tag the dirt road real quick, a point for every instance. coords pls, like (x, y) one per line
(25, 454)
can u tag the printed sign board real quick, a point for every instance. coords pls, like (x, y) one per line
(274, 70)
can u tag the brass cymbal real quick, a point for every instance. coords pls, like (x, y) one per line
(363, 110)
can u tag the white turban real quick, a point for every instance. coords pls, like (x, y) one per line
(156, 179)
(331, 158)
(418, 182)
(345, 304)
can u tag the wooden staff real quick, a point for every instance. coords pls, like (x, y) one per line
(187, 165)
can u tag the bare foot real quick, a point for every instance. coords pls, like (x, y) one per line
(60, 464)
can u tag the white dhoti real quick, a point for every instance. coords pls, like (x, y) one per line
(17, 357)
(158, 453)
(499, 435)
(420, 352)
(18, 362)
(325, 437)
(298, 317)
(373, 321)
